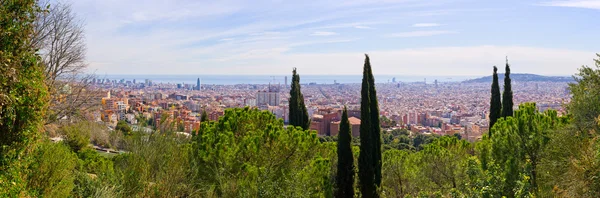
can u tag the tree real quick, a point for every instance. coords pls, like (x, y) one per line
(298, 113)
(123, 127)
(585, 103)
(51, 175)
(23, 95)
(443, 162)
(570, 165)
(249, 153)
(507, 96)
(77, 136)
(495, 102)
(345, 168)
(370, 136)
(457, 135)
(399, 168)
(519, 143)
(204, 116)
(59, 35)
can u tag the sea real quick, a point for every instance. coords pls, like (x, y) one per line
(274, 79)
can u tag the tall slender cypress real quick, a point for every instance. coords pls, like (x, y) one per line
(375, 125)
(293, 101)
(495, 102)
(297, 109)
(507, 96)
(345, 168)
(204, 116)
(369, 161)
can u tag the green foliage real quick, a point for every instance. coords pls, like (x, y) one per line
(400, 171)
(141, 120)
(570, 166)
(123, 127)
(397, 139)
(249, 153)
(95, 175)
(298, 113)
(345, 167)
(585, 103)
(92, 162)
(204, 116)
(507, 96)
(77, 136)
(23, 94)
(420, 140)
(132, 172)
(51, 175)
(443, 163)
(495, 101)
(157, 165)
(370, 136)
(519, 143)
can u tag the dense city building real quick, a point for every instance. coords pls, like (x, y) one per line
(441, 108)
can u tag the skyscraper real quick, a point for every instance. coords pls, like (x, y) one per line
(198, 84)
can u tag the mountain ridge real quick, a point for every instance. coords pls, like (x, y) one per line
(523, 77)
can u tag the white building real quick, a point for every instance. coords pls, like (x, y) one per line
(270, 97)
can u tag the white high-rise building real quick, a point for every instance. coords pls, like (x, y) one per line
(270, 97)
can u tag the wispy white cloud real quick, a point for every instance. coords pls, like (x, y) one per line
(319, 33)
(362, 27)
(426, 25)
(421, 33)
(472, 61)
(589, 4)
(323, 42)
(321, 37)
(226, 39)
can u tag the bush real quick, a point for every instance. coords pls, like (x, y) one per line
(123, 127)
(51, 174)
(77, 136)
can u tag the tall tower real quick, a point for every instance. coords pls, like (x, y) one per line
(286, 85)
(198, 84)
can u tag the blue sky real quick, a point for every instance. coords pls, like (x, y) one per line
(403, 37)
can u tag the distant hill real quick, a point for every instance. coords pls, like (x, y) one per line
(522, 78)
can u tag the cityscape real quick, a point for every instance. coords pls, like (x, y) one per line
(423, 108)
(299, 99)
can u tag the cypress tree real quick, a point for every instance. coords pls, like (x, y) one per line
(203, 116)
(375, 126)
(305, 121)
(297, 109)
(345, 168)
(369, 161)
(507, 96)
(293, 102)
(495, 102)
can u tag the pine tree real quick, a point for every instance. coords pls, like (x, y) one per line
(297, 109)
(369, 161)
(345, 167)
(495, 103)
(507, 96)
